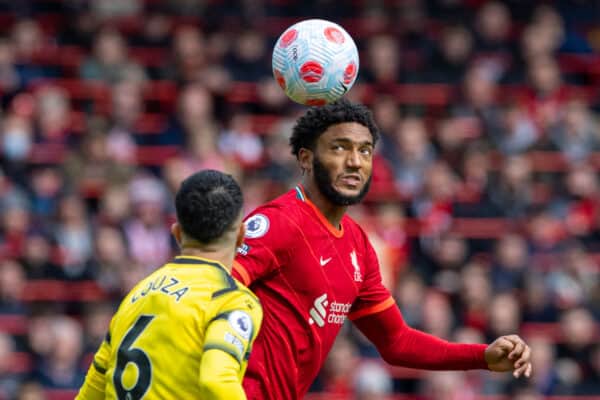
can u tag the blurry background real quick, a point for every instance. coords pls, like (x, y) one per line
(484, 208)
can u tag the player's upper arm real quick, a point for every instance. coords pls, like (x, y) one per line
(266, 244)
(228, 340)
(234, 327)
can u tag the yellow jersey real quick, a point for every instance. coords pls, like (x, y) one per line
(184, 332)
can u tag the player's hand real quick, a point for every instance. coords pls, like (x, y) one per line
(509, 353)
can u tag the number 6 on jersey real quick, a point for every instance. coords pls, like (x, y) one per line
(127, 354)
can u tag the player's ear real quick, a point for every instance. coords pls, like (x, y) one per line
(305, 157)
(176, 231)
(240, 236)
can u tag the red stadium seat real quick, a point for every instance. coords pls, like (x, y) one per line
(61, 291)
(13, 324)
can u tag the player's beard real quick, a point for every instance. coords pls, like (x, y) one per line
(325, 186)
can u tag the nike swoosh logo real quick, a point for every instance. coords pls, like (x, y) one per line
(325, 261)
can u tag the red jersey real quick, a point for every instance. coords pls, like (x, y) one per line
(310, 277)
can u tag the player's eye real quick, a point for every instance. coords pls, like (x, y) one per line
(366, 151)
(337, 147)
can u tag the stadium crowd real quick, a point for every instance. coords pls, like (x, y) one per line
(483, 209)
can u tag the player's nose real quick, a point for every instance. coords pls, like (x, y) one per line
(353, 159)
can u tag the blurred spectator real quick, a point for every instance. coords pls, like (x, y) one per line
(547, 97)
(189, 55)
(576, 134)
(372, 381)
(493, 38)
(281, 165)
(115, 206)
(40, 257)
(14, 224)
(451, 59)
(148, 236)
(10, 76)
(241, 142)
(572, 283)
(12, 285)
(573, 355)
(512, 193)
(127, 109)
(28, 40)
(74, 236)
(96, 322)
(511, 261)
(434, 206)
(339, 367)
(384, 66)
(567, 40)
(390, 225)
(195, 113)
(417, 48)
(17, 142)
(47, 185)
(438, 318)
(505, 316)
(31, 390)
(410, 294)
(110, 258)
(538, 305)
(475, 294)
(246, 62)
(9, 380)
(53, 114)
(411, 156)
(449, 385)
(60, 367)
(519, 131)
(543, 358)
(110, 61)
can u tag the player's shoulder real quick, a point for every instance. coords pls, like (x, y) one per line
(280, 214)
(241, 298)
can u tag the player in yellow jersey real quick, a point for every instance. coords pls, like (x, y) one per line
(185, 331)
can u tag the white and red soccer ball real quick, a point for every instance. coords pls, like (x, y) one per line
(315, 62)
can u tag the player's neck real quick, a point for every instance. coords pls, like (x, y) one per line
(215, 253)
(332, 212)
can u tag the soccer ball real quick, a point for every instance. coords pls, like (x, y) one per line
(315, 62)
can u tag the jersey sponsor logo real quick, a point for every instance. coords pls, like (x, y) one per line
(243, 250)
(335, 314)
(241, 323)
(318, 311)
(354, 261)
(324, 262)
(256, 226)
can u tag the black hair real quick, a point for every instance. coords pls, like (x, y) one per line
(317, 119)
(207, 204)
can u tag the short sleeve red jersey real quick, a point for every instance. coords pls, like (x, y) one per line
(309, 277)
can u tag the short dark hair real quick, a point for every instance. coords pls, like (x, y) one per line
(207, 204)
(317, 119)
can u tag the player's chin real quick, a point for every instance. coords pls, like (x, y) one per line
(349, 190)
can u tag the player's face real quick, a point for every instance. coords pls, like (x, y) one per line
(342, 163)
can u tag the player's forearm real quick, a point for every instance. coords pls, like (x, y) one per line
(401, 345)
(219, 378)
(93, 387)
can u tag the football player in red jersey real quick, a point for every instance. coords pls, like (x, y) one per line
(312, 267)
